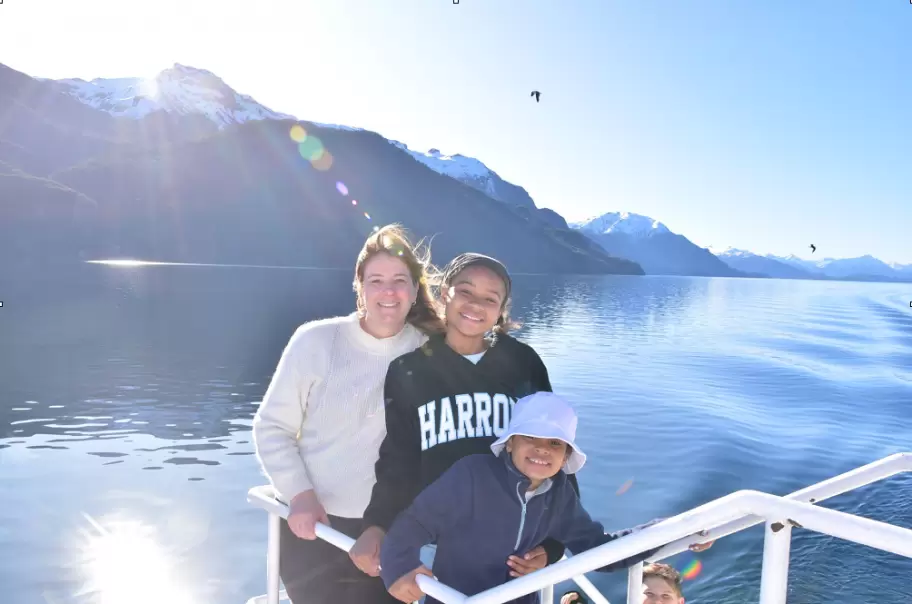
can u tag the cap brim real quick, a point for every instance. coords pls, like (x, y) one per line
(465, 261)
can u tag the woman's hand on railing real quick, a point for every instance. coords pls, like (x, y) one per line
(365, 553)
(304, 512)
(406, 589)
(535, 559)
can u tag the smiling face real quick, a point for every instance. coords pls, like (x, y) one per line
(537, 458)
(387, 294)
(474, 301)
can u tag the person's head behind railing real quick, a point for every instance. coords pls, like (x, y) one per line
(662, 584)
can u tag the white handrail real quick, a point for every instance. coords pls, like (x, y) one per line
(843, 483)
(723, 516)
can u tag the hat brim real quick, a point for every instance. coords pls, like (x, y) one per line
(543, 429)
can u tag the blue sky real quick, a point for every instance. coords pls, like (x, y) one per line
(760, 125)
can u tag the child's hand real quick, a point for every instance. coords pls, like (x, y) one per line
(406, 589)
(534, 560)
(573, 597)
(701, 547)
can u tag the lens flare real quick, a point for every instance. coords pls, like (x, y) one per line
(691, 570)
(341, 188)
(624, 487)
(311, 148)
(366, 215)
(354, 202)
(298, 133)
(324, 162)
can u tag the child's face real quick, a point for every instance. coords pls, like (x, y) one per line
(474, 301)
(657, 590)
(537, 458)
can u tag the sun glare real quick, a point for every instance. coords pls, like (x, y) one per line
(125, 562)
(148, 87)
(124, 262)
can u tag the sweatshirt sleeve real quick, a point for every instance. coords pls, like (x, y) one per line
(439, 508)
(540, 380)
(279, 418)
(579, 532)
(398, 467)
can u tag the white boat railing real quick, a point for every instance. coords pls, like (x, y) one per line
(711, 521)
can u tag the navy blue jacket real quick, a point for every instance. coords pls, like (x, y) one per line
(476, 515)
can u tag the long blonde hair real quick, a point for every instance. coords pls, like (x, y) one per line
(426, 314)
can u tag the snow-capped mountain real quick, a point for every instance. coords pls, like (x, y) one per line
(794, 267)
(188, 91)
(179, 90)
(86, 166)
(621, 223)
(652, 245)
(472, 172)
(749, 262)
(197, 97)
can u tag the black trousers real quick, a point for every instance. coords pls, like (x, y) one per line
(317, 572)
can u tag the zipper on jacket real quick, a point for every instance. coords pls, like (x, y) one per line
(522, 519)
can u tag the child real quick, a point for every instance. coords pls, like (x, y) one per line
(451, 398)
(661, 584)
(485, 508)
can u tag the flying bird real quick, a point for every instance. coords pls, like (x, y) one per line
(813, 248)
(536, 94)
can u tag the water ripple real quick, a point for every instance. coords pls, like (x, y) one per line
(687, 389)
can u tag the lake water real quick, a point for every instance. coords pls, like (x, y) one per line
(126, 396)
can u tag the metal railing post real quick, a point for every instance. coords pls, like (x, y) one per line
(547, 595)
(777, 545)
(272, 559)
(590, 590)
(635, 584)
(708, 522)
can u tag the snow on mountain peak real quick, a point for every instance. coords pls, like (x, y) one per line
(471, 172)
(626, 223)
(179, 89)
(457, 166)
(733, 252)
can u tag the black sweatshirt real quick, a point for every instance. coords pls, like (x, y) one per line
(441, 407)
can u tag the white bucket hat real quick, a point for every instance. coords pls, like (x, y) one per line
(545, 415)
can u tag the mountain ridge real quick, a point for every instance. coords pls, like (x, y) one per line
(861, 268)
(110, 125)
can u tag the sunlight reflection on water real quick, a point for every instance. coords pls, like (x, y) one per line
(126, 562)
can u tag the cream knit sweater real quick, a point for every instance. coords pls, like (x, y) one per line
(323, 418)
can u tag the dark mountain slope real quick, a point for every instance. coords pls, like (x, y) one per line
(246, 195)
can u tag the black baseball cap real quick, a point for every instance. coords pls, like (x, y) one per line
(464, 261)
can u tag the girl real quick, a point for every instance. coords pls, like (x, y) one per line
(318, 430)
(451, 398)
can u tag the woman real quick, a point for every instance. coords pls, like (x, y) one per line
(318, 430)
(452, 398)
